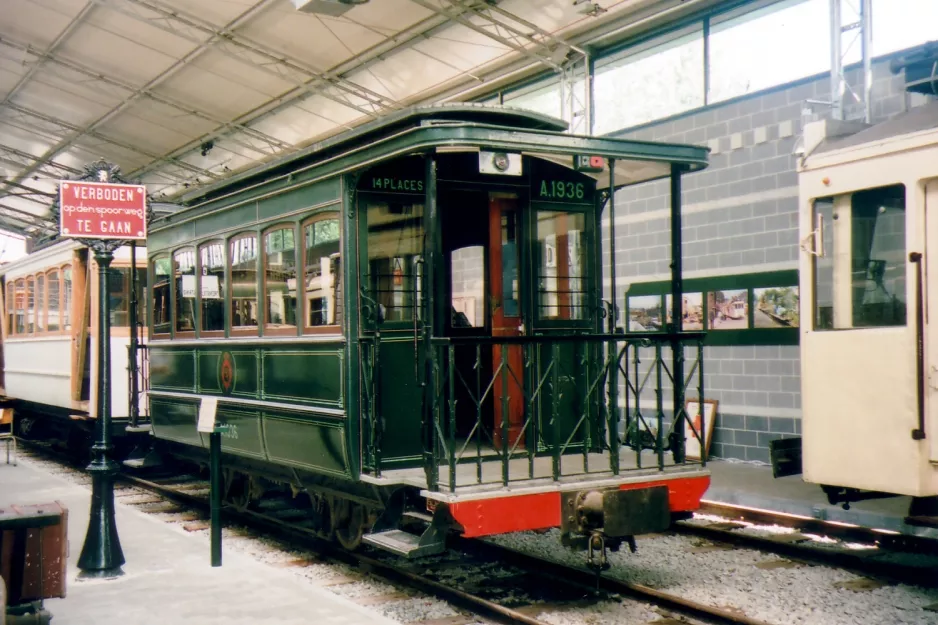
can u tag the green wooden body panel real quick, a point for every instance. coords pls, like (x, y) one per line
(301, 374)
(245, 382)
(307, 441)
(244, 436)
(175, 420)
(312, 195)
(224, 220)
(401, 399)
(304, 376)
(172, 370)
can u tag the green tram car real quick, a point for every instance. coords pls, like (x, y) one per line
(407, 322)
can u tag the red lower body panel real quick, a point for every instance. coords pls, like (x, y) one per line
(500, 515)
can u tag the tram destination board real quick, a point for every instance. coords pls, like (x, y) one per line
(98, 210)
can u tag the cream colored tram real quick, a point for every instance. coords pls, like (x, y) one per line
(869, 306)
(49, 351)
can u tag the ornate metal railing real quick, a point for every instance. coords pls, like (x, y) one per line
(566, 421)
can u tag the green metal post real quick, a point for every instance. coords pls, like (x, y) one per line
(554, 409)
(215, 461)
(506, 443)
(659, 406)
(677, 312)
(451, 375)
(132, 348)
(101, 554)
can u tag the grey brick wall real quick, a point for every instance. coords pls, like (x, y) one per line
(739, 216)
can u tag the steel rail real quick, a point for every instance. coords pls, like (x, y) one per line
(475, 604)
(886, 539)
(585, 578)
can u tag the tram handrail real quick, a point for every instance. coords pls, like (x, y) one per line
(589, 422)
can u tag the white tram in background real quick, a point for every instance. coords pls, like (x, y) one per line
(869, 308)
(49, 350)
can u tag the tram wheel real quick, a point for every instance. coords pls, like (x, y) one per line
(348, 522)
(239, 490)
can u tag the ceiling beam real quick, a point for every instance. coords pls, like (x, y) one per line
(27, 112)
(62, 36)
(274, 145)
(254, 54)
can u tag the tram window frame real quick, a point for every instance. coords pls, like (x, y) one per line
(41, 286)
(536, 246)
(66, 296)
(200, 273)
(20, 313)
(333, 328)
(409, 271)
(243, 330)
(58, 282)
(177, 333)
(279, 329)
(151, 285)
(9, 302)
(842, 224)
(31, 305)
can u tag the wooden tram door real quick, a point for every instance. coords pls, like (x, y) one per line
(505, 308)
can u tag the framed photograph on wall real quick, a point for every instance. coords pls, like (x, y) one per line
(692, 445)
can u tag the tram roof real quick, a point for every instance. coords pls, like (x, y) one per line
(456, 127)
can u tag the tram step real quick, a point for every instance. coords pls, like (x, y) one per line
(419, 516)
(406, 544)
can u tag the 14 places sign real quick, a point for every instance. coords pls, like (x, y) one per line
(100, 210)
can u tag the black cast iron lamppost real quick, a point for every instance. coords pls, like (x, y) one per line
(102, 211)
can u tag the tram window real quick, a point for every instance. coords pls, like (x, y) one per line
(53, 306)
(30, 305)
(280, 277)
(161, 296)
(878, 257)
(40, 303)
(119, 293)
(467, 280)
(242, 254)
(395, 241)
(824, 267)
(184, 280)
(563, 266)
(20, 307)
(321, 272)
(861, 284)
(67, 298)
(212, 286)
(11, 313)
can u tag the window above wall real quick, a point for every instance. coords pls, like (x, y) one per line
(723, 55)
(654, 80)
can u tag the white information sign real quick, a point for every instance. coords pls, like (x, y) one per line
(207, 410)
(210, 288)
(188, 287)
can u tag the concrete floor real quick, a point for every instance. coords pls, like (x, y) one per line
(752, 485)
(168, 577)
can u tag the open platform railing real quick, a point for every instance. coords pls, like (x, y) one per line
(567, 420)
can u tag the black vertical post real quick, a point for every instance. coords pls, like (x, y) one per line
(215, 460)
(613, 347)
(101, 555)
(677, 308)
(134, 400)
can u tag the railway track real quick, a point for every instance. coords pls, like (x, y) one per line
(543, 583)
(510, 586)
